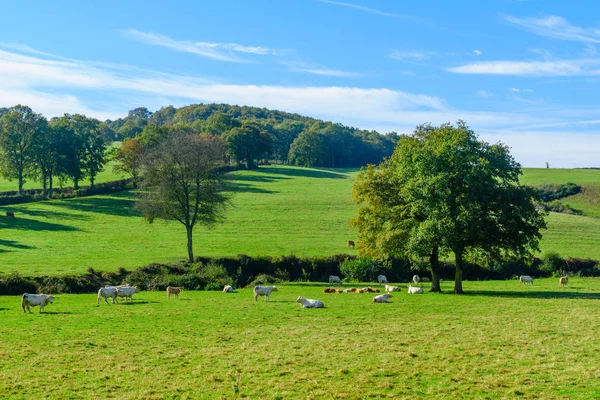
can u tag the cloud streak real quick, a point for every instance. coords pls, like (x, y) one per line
(584, 67)
(556, 27)
(366, 9)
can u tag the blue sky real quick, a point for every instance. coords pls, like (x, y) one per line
(523, 72)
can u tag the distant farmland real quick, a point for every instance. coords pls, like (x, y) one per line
(277, 210)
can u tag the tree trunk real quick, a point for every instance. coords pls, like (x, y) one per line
(50, 185)
(76, 183)
(92, 181)
(434, 265)
(21, 182)
(45, 185)
(189, 244)
(458, 289)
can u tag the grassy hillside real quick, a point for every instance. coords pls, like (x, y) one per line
(277, 210)
(205, 345)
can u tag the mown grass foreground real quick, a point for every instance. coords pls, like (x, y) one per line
(501, 340)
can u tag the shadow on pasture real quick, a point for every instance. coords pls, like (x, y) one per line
(50, 214)
(13, 244)
(535, 294)
(258, 178)
(305, 173)
(57, 312)
(3, 308)
(120, 204)
(245, 188)
(135, 302)
(28, 224)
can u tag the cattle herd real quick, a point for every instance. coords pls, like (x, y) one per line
(126, 291)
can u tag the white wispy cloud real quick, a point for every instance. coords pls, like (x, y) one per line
(219, 51)
(542, 52)
(477, 52)
(556, 27)
(584, 67)
(517, 90)
(484, 93)
(590, 50)
(316, 69)
(414, 55)
(366, 9)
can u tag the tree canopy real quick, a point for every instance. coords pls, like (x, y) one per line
(445, 191)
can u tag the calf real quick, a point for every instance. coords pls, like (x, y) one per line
(10, 214)
(228, 289)
(525, 279)
(389, 288)
(333, 279)
(264, 291)
(414, 290)
(106, 292)
(33, 300)
(309, 303)
(382, 279)
(382, 298)
(563, 281)
(173, 290)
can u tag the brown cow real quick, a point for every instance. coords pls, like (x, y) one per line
(10, 214)
(173, 290)
(351, 244)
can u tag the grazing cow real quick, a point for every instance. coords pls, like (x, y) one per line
(382, 298)
(127, 291)
(333, 279)
(10, 214)
(264, 291)
(175, 290)
(33, 300)
(106, 292)
(389, 288)
(351, 244)
(414, 290)
(416, 279)
(563, 281)
(309, 303)
(382, 279)
(525, 279)
(424, 279)
(228, 289)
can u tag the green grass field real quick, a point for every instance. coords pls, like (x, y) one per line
(500, 341)
(277, 210)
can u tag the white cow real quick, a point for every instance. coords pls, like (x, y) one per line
(382, 279)
(309, 303)
(416, 279)
(264, 291)
(525, 279)
(414, 290)
(335, 279)
(228, 289)
(563, 281)
(33, 300)
(382, 298)
(106, 292)
(127, 291)
(389, 288)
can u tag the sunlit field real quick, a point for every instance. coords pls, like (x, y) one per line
(500, 340)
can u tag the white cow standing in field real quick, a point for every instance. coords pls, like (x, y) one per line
(264, 291)
(382, 298)
(334, 279)
(33, 300)
(228, 289)
(416, 279)
(525, 279)
(382, 279)
(309, 303)
(127, 291)
(414, 290)
(106, 292)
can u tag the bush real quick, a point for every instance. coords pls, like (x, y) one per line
(15, 284)
(362, 270)
(552, 263)
(554, 192)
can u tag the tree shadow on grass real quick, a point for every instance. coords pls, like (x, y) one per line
(13, 244)
(131, 303)
(258, 178)
(28, 224)
(49, 214)
(535, 295)
(120, 204)
(304, 172)
(245, 188)
(57, 312)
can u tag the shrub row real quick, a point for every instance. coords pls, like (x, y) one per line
(242, 270)
(552, 192)
(31, 195)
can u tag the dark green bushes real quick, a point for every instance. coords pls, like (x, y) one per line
(552, 192)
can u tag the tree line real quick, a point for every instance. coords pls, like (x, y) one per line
(71, 147)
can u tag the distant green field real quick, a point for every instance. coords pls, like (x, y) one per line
(276, 210)
(499, 341)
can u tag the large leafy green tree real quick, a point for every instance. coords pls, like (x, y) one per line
(129, 157)
(19, 127)
(219, 123)
(309, 149)
(445, 191)
(47, 156)
(183, 181)
(247, 144)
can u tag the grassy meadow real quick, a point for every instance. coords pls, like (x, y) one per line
(276, 210)
(501, 340)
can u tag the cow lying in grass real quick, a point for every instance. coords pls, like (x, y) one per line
(309, 303)
(382, 298)
(33, 300)
(389, 288)
(228, 289)
(414, 290)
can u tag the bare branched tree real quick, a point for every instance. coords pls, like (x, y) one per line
(183, 181)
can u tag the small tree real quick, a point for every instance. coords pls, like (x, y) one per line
(129, 158)
(183, 181)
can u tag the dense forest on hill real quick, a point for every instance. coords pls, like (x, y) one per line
(253, 134)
